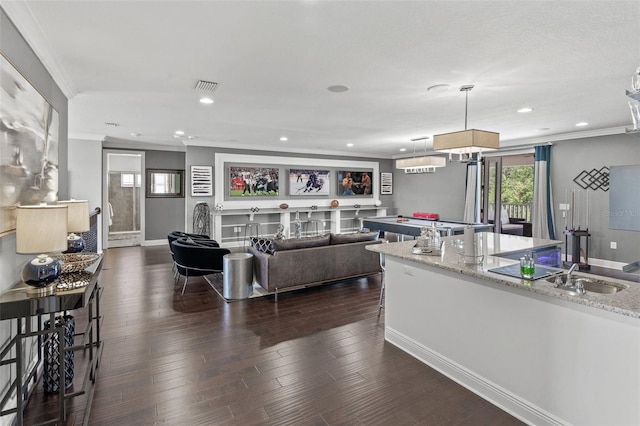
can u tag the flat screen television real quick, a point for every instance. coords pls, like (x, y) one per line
(309, 182)
(354, 183)
(253, 181)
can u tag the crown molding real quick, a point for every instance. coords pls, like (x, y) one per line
(235, 145)
(22, 17)
(566, 136)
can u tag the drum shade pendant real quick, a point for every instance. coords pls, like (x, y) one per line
(424, 164)
(466, 142)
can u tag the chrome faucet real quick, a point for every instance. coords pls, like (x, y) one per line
(573, 268)
(578, 286)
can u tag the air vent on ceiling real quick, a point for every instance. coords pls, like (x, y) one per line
(207, 86)
(111, 124)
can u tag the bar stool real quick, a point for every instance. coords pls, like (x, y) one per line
(380, 304)
(315, 225)
(356, 223)
(251, 228)
(382, 281)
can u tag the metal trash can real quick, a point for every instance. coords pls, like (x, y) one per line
(52, 348)
(237, 281)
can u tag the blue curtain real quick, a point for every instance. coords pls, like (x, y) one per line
(542, 214)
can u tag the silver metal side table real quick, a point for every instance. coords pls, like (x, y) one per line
(237, 281)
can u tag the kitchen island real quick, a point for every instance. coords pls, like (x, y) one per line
(539, 352)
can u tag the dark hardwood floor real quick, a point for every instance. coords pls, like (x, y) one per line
(317, 357)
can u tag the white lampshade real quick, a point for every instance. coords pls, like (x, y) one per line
(78, 215)
(41, 229)
(426, 161)
(466, 141)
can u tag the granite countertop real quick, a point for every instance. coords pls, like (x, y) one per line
(489, 244)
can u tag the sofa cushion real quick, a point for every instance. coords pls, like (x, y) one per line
(299, 243)
(354, 237)
(265, 245)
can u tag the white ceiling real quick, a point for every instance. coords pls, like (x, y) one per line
(136, 63)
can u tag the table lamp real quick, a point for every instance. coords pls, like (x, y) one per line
(40, 230)
(77, 223)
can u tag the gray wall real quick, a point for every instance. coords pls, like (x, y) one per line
(568, 159)
(15, 48)
(441, 192)
(163, 215)
(205, 156)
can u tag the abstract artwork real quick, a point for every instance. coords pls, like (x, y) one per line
(386, 183)
(593, 179)
(28, 146)
(201, 181)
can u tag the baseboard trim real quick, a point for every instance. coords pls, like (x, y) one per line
(155, 242)
(509, 402)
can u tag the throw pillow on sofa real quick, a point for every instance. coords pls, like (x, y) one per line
(354, 237)
(264, 245)
(299, 243)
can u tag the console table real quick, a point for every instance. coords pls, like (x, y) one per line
(26, 309)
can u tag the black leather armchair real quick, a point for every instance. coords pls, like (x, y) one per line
(179, 234)
(196, 258)
(173, 236)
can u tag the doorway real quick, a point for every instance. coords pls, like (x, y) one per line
(123, 189)
(507, 191)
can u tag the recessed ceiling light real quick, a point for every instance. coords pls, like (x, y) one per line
(192, 137)
(338, 88)
(582, 124)
(206, 100)
(284, 139)
(349, 144)
(179, 132)
(525, 109)
(403, 149)
(438, 88)
(136, 134)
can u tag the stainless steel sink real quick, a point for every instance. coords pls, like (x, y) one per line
(590, 284)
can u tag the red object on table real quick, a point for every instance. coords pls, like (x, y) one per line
(430, 216)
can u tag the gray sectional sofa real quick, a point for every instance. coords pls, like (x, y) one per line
(313, 260)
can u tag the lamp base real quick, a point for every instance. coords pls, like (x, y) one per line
(75, 243)
(41, 271)
(41, 291)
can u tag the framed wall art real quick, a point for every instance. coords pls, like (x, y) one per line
(201, 181)
(386, 183)
(29, 129)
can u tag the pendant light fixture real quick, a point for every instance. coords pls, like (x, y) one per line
(425, 164)
(466, 142)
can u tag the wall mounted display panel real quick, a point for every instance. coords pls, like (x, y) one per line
(355, 183)
(309, 182)
(253, 181)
